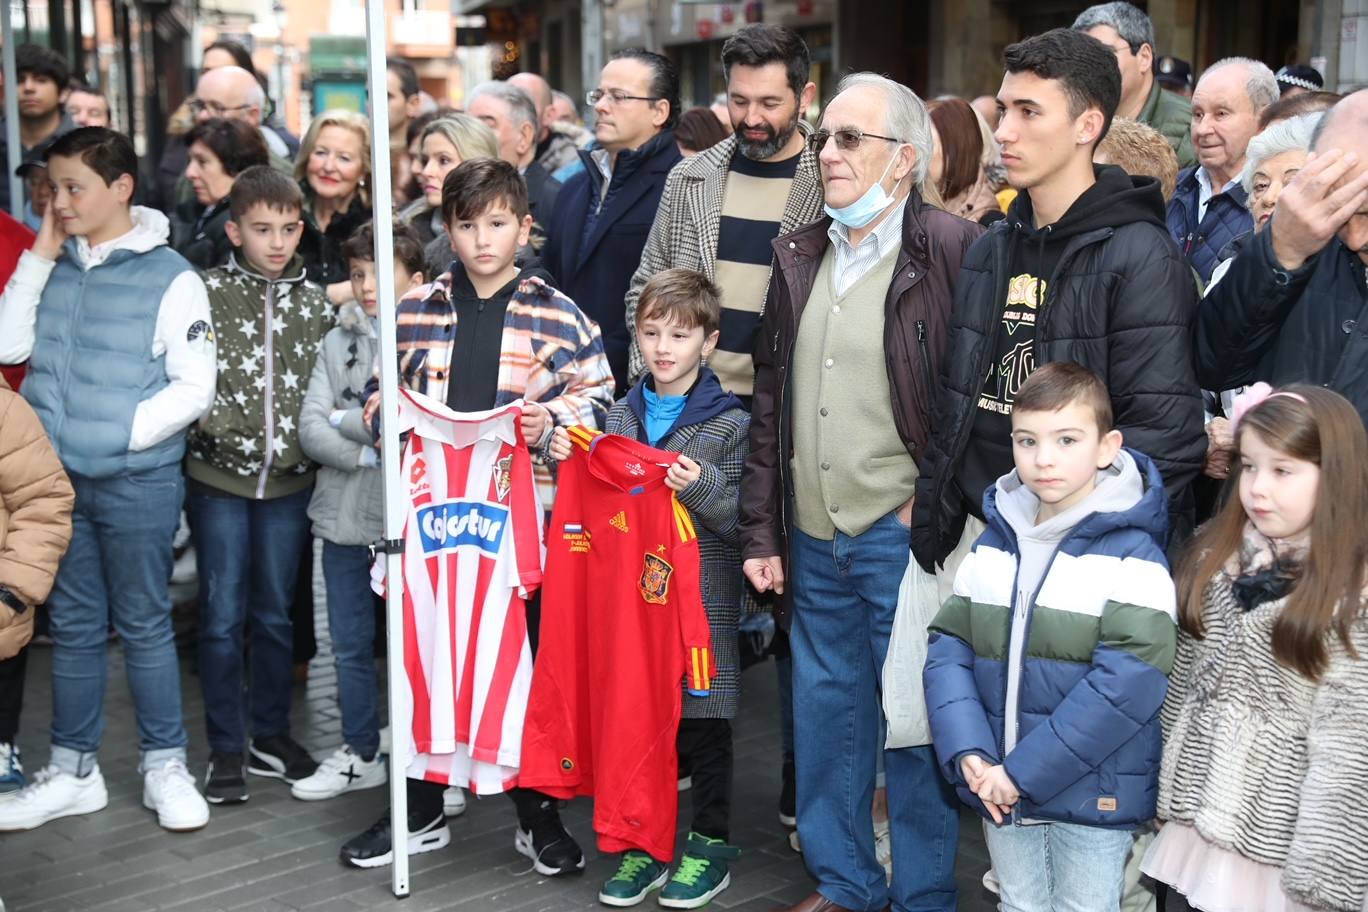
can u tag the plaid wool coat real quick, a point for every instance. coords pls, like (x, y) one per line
(719, 445)
(688, 222)
(551, 354)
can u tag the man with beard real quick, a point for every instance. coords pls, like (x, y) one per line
(721, 208)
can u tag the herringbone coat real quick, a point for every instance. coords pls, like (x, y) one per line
(688, 222)
(719, 446)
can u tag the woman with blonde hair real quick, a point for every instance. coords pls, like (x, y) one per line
(333, 170)
(443, 144)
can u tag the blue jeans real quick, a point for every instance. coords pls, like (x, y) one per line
(248, 554)
(117, 569)
(351, 622)
(1058, 867)
(845, 594)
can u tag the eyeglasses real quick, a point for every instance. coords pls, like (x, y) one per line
(846, 140)
(215, 109)
(615, 97)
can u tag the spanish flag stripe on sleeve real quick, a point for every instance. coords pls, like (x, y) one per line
(683, 522)
(699, 681)
(581, 435)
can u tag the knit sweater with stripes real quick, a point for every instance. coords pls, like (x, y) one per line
(1262, 761)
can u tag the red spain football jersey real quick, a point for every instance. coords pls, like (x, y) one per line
(622, 623)
(472, 556)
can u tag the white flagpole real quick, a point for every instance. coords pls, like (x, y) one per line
(16, 185)
(382, 213)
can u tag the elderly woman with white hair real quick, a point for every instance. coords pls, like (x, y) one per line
(846, 377)
(1273, 158)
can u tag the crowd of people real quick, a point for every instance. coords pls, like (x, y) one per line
(1024, 432)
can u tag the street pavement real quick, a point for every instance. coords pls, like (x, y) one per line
(275, 854)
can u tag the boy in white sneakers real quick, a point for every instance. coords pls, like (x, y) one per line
(121, 361)
(347, 508)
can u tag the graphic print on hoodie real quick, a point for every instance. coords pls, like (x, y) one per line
(1034, 260)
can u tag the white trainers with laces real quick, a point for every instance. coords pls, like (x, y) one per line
(170, 791)
(453, 802)
(344, 771)
(53, 794)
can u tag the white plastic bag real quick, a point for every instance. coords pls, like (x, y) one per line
(904, 699)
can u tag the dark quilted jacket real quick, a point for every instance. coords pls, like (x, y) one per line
(1121, 302)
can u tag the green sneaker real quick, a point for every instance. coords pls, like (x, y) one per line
(701, 875)
(637, 875)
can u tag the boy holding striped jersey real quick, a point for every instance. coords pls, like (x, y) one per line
(1047, 667)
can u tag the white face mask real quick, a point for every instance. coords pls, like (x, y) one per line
(870, 204)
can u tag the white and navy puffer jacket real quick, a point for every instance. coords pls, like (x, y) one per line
(1066, 689)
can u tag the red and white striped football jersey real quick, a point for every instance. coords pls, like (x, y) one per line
(472, 556)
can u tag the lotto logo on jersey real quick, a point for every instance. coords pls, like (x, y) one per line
(450, 525)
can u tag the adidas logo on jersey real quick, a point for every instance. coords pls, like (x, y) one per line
(619, 522)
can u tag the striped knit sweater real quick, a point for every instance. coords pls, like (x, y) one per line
(1263, 762)
(551, 353)
(718, 444)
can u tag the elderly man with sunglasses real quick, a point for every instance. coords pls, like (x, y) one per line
(847, 366)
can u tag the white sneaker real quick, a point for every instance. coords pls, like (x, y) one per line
(344, 771)
(170, 791)
(883, 847)
(453, 802)
(50, 795)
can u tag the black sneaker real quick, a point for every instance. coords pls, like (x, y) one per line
(375, 847)
(280, 757)
(550, 846)
(788, 798)
(225, 779)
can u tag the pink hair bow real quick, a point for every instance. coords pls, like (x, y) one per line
(1253, 395)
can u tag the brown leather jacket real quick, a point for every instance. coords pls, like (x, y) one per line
(916, 326)
(35, 516)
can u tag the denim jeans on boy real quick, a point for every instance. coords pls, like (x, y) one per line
(1058, 867)
(116, 570)
(845, 595)
(351, 621)
(247, 553)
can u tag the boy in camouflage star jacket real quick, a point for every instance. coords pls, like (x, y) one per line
(249, 483)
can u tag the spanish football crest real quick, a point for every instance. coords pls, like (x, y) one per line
(655, 579)
(503, 477)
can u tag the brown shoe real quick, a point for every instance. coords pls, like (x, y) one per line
(814, 903)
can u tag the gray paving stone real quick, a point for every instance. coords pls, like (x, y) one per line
(276, 854)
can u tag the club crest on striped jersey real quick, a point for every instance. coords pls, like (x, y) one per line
(654, 584)
(461, 523)
(503, 477)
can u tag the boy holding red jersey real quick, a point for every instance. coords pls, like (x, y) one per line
(681, 407)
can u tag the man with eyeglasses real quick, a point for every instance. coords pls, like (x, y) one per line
(721, 208)
(847, 368)
(603, 214)
(1130, 34)
(228, 93)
